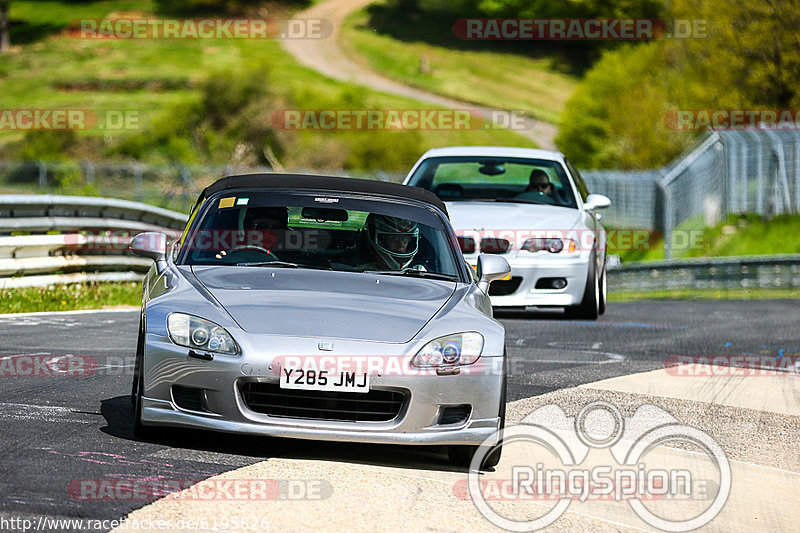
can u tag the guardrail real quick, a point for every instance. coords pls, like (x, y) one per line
(747, 272)
(91, 243)
(94, 233)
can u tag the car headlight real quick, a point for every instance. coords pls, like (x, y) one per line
(452, 350)
(200, 334)
(553, 246)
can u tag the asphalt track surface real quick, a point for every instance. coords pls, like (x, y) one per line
(56, 430)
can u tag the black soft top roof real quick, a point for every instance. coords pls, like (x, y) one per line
(326, 183)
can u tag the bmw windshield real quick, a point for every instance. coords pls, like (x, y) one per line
(480, 178)
(339, 233)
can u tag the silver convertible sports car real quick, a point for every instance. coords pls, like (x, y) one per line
(321, 308)
(531, 207)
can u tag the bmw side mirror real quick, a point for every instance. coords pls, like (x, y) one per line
(151, 244)
(596, 201)
(491, 268)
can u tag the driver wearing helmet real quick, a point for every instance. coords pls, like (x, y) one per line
(394, 241)
(391, 244)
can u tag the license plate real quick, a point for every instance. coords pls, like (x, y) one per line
(324, 380)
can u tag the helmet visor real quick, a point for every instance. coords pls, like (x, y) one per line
(398, 243)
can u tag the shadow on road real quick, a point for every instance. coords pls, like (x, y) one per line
(530, 313)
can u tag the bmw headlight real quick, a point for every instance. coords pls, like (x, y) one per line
(453, 350)
(200, 334)
(553, 246)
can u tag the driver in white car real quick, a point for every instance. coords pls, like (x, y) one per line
(539, 188)
(540, 182)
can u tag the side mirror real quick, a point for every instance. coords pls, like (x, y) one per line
(491, 268)
(152, 244)
(596, 201)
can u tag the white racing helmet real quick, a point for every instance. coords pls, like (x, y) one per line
(395, 241)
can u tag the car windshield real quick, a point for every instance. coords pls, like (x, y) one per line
(495, 179)
(265, 229)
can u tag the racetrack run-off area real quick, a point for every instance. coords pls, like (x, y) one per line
(61, 431)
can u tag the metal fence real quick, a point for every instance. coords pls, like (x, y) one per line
(726, 173)
(726, 273)
(46, 239)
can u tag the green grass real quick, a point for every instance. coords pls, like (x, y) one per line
(109, 295)
(32, 21)
(70, 297)
(707, 294)
(740, 235)
(53, 72)
(750, 235)
(499, 80)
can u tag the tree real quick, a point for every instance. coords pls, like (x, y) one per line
(5, 41)
(745, 55)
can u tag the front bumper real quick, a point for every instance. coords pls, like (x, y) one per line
(418, 422)
(528, 268)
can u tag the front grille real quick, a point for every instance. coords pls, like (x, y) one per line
(492, 245)
(505, 287)
(373, 406)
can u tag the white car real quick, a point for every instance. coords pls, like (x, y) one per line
(533, 208)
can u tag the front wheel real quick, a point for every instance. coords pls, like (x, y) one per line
(603, 292)
(461, 455)
(589, 308)
(140, 431)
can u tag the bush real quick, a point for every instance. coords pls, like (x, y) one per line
(615, 119)
(748, 60)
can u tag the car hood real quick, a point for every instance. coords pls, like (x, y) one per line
(478, 216)
(297, 302)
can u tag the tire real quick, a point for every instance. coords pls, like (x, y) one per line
(589, 308)
(603, 290)
(140, 431)
(462, 455)
(137, 364)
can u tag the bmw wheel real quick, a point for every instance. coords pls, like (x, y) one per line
(589, 308)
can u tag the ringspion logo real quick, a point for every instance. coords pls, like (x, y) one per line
(602, 455)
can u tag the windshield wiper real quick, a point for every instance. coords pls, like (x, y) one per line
(276, 264)
(413, 272)
(282, 264)
(524, 201)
